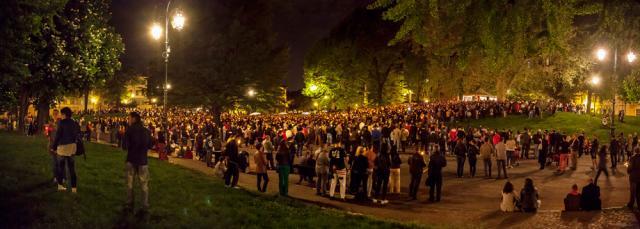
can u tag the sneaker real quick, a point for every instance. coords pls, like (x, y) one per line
(61, 188)
(375, 201)
(74, 190)
(384, 202)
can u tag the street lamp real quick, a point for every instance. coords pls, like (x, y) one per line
(251, 93)
(177, 23)
(631, 57)
(595, 80)
(156, 31)
(601, 55)
(313, 87)
(178, 20)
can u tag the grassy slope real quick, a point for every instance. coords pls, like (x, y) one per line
(568, 123)
(179, 197)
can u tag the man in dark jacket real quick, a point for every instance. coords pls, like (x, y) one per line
(634, 178)
(472, 152)
(590, 198)
(137, 141)
(436, 163)
(613, 151)
(416, 165)
(460, 151)
(65, 146)
(231, 153)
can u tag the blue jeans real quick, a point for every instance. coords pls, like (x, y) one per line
(54, 166)
(63, 163)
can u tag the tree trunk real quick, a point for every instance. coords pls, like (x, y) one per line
(43, 114)
(22, 110)
(216, 112)
(86, 99)
(588, 101)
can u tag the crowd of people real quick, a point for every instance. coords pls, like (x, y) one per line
(358, 151)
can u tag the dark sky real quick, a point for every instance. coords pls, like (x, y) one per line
(299, 23)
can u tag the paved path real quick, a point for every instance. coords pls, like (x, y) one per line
(475, 201)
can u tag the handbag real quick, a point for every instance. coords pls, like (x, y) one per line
(80, 150)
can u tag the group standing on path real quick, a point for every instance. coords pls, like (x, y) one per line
(358, 152)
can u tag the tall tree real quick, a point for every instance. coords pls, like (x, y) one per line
(232, 51)
(355, 59)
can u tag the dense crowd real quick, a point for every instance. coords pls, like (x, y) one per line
(358, 151)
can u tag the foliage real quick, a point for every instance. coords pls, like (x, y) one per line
(355, 60)
(631, 88)
(499, 46)
(232, 50)
(54, 48)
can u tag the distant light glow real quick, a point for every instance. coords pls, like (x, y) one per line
(631, 57)
(251, 93)
(601, 54)
(156, 31)
(168, 86)
(595, 80)
(313, 87)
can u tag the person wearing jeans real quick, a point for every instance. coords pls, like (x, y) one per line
(261, 169)
(64, 144)
(137, 141)
(282, 158)
(322, 170)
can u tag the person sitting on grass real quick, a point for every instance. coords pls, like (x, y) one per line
(572, 201)
(509, 198)
(529, 198)
(590, 199)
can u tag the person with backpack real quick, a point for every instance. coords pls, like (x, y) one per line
(65, 144)
(416, 167)
(137, 141)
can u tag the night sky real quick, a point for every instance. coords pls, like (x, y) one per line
(299, 23)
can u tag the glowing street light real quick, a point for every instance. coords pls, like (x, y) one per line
(94, 99)
(601, 54)
(313, 87)
(154, 100)
(156, 31)
(251, 93)
(178, 20)
(631, 57)
(595, 80)
(315, 104)
(168, 86)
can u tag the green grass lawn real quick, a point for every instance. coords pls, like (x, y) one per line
(180, 198)
(568, 123)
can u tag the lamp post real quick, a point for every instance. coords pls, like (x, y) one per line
(156, 32)
(601, 55)
(177, 23)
